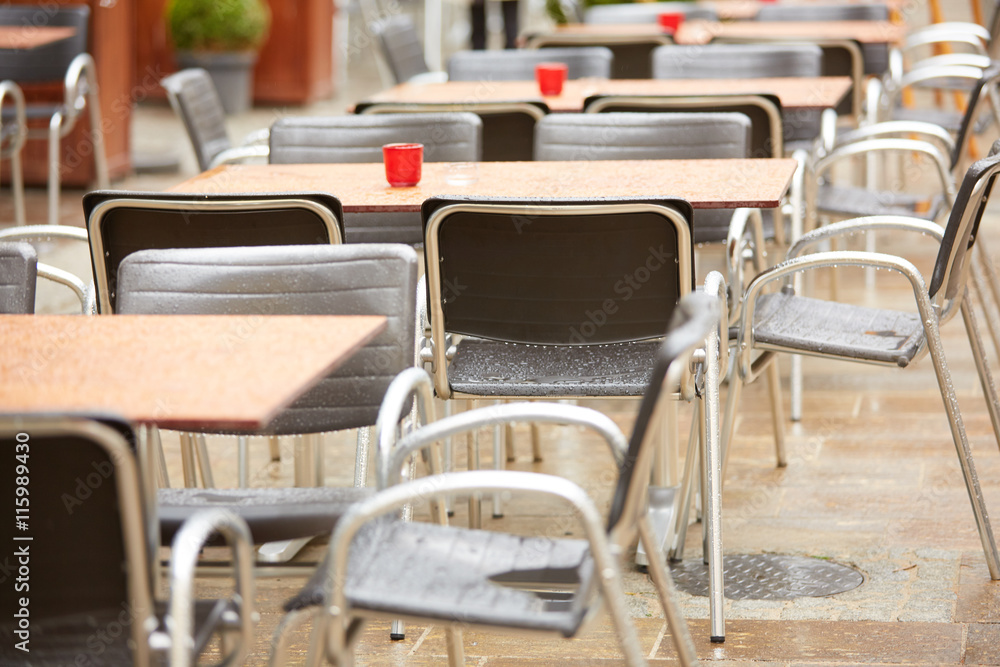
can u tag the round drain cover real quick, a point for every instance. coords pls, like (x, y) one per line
(769, 577)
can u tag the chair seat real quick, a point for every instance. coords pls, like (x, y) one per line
(490, 368)
(394, 571)
(814, 326)
(949, 120)
(855, 201)
(59, 642)
(272, 514)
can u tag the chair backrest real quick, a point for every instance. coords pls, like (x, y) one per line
(692, 320)
(508, 127)
(763, 111)
(645, 12)
(18, 272)
(356, 279)
(876, 55)
(714, 61)
(48, 62)
(447, 137)
(983, 93)
(519, 65)
(120, 223)
(650, 136)
(952, 265)
(86, 554)
(534, 270)
(194, 98)
(832, 12)
(401, 46)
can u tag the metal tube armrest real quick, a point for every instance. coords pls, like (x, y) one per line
(186, 547)
(240, 154)
(867, 224)
(898, 127)
(412, 383)
(550, 413)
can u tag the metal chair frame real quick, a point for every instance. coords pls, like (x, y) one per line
(12, 150)
(84, 291)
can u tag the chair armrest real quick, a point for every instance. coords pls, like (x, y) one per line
(897, 128)
(44, 233)
(743, 218)
(257, 137)
(81, 77)
(549, 413)
(867, 224)
(57, 275)
(744, 345)
(410, 384)
(972, 34)
(240, 154)
(428, 77)
(186, 547)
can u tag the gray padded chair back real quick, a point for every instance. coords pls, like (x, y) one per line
(584, 61)
(48, 62)
(876, 56)
(645, 12)
(361, 279)
(649, 136)
(195, 99)
(741, 61)
(18, 271)
(401, 47)
(447, 137)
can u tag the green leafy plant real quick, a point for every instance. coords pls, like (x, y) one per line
(218, 25)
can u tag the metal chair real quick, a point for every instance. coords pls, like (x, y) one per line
(87, 540)
(357, 279)
(13, 134)
(475, 581)
(120, 223)
(785, 322)
(749, 60)
(401, 50)
(64, 61)
(645, 12)
(447, 137)
(507, 128)
(195, 100)
(83, 289)
(584, 61)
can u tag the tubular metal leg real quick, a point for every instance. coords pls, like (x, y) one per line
(97, 137)
(274, 443)
(204, 465)
(683, 515)
(984, 276)
(777, 412)
(536, 444)
(475, 502)
(982, 366)
(187, 461)
(305, 471)
(361, 457)
(713, 479)
(962, 448)
(668, 598)
(243, 461)
(280, 640)
(795, 378)
(447, 454)
(509, 441)
(397, 632)
(17, 185)
(499, 458)
(162, 477)
(55, 131)
(729, 420)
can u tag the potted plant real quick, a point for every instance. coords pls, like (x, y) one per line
(222, 36)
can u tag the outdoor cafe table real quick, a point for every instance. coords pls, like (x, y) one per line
(794, 93)
(19, 37)
(730, 183)
(177, 371)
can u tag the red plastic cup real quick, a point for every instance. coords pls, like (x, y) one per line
(550, 77)
(403, 163)
(670, 21)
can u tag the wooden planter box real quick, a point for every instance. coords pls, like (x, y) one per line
(295, 66)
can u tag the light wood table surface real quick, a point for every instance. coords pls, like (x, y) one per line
(757, 183)
(863, 32)
(793, 92)
(29, 37)
(178, 371)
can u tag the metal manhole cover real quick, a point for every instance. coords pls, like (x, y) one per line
(769, 577)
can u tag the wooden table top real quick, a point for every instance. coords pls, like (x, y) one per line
(30, 37)
(864, 32)
(757, 183)
(740, 10)
(794, 92)
(702, 32)
(178, 371)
